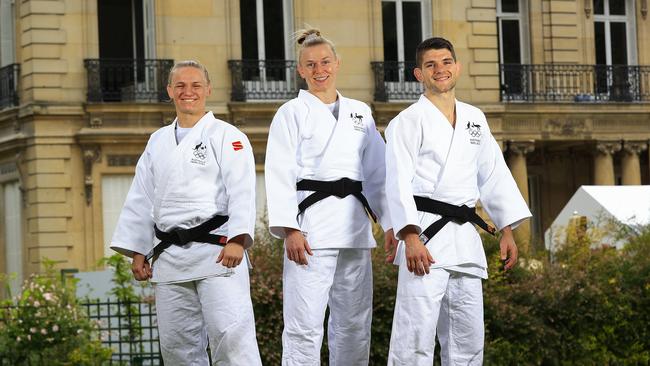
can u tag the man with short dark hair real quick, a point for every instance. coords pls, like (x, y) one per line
(440, 159)
(191, 211)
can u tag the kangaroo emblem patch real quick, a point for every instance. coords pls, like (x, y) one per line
(199, 153)
(357, 122)
(474, 131)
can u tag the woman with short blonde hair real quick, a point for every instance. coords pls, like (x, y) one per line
(324, 176)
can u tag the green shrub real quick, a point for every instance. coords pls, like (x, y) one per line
(44, 324)
(587, 307)
(266, 293)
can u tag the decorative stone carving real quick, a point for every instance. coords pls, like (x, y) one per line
(96, 122)
(634, 147)
(122, 160)
(630, 167)
(91, 154)
(568, 128)
(608, 147)
(521, 147)
(8, 168)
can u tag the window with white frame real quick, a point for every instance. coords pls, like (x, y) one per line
(513, 32)
(7, 45)
(514, 47)
(133, 37)
(124, 46)
(114, 191)
(615, 48)
(266, 26)
(405, 23)
(12, 198)
(614, 32)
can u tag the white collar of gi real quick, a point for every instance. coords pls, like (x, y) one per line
(207, 116)
(308, 97)
(428, 105)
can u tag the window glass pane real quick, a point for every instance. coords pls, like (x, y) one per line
(248, 24)
(599, 7)
(599, 35)
(617, 7)
(510, 6)
(389, 27)
(114, 191)
(510, 42)
(273, 30)
(619, 43)
(6, 33)
(115, 38)
(139, 29)
(412, 19)
(13, 233)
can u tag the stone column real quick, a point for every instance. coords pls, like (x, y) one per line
(517, 165)
(630, 166)
(604, 162)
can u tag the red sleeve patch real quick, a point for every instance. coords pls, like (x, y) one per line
(237, 145)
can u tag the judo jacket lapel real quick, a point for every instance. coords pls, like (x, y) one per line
(175, 161)
(319, 120)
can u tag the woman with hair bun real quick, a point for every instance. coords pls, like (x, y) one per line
(325, 176)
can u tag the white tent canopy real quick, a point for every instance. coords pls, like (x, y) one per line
(627, 205)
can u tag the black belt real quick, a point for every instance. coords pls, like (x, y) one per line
(339, 188)
(200, 233)
(458, 214)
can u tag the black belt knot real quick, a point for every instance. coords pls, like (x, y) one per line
(180, 237)
(340, 188)
(345, 186)
(448, 213)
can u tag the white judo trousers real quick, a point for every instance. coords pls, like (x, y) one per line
(306, 141)
(181, 183)
(342, 279)
(458, 164)
(450, 301)
(218, 309)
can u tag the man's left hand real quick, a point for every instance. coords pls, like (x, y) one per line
(508, 248)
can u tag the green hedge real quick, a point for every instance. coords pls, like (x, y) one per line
(588, 307)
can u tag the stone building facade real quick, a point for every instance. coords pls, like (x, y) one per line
(563, 83)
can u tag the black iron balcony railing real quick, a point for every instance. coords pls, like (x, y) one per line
(395, 81)
(127, 80)
(9, 85)
(575, 83)
(264, 80)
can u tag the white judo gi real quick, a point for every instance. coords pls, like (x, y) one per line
(179, 186)
(426, 156)
(306, 141)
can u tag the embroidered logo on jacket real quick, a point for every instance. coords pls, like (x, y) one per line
(237, 145)
(357, 122)
(200, 154)
(474, 131)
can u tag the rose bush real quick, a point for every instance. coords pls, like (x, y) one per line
(44, 324)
